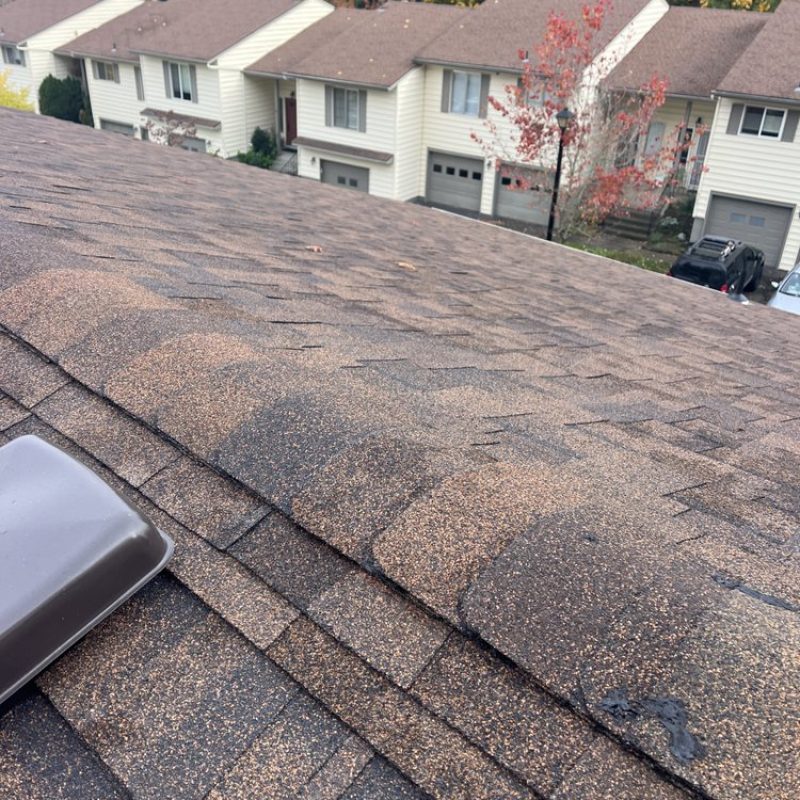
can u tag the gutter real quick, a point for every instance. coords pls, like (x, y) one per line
(789, 101)
(468, 66)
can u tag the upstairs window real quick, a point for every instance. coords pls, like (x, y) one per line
(105, 71)
(13, 56)
(761, 121)
(180, 81)
(465, 93)
(346, 108)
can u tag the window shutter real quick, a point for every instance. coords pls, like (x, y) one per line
(166, 79)
(735, 119)
(484, 104)
(447, 85)
(116, 73)
(362, 110)
(790, 126)
(94, 70)
(193, 77)
(329, 106)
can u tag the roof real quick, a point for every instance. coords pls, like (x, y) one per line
(21, 19)
(692, 48)
(459, 513)
(372, 48)
(770, 66)
(493, 34)
(195, 30)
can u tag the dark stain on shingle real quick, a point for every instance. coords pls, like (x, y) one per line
(669, 711)
(729, 582)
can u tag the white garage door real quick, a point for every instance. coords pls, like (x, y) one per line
(759, 224)
(523, 196)
(116, 127)
(455, 181)
(345, 175)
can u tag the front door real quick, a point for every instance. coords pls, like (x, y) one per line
(290, 107)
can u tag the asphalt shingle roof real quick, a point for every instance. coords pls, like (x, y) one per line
(459, 513)
(692, 48)
(21, 19)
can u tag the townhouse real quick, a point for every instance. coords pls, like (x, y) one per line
(177, 65)
(31, 31)
(390, 102)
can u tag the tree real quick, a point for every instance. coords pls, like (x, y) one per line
(600, 171)
(13, 98)
(61, 98)
(170, 129)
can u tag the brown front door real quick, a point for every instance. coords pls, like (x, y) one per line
(291, 119)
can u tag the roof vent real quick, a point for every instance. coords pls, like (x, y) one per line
(71, 551)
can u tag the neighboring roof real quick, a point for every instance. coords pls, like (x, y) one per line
(692, 48)
(21, 19)
(370, 48)
(770, 67)
(186, 119)
(195, 30)
(346, 150)
(493, 34)
(459, 513)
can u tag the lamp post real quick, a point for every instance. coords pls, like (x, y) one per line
(563, 118)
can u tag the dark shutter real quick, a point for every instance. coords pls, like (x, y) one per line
(484, 104)
(790, 126)
(329, 106)
(735, 119)
(95, 73)
(447, 85)
(193, 78)
(167, 87)
(116, 73)
(362, 110)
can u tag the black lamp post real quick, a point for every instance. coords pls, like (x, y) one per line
(563, 118)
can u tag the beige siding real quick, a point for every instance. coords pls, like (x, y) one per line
(115, 102)
(208, 95)
(275, 34)
(753, 168)
(381, 177)
(260, 105)
(235, 136)
(410, 153)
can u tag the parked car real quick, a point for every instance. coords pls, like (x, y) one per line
(787, 298)
(719, 263)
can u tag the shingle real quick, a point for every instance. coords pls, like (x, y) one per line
(147, 706)
(42, 758)
(23, 20)
(126, 447)
(379, 781)
(11, 412)
(392, 634)
(204, 501)
(25, 376)
(289, 560)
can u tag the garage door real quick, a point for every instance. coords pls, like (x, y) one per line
(455, 181)
(523, 196)
(116, 127)
(759, 224)
(345, 175)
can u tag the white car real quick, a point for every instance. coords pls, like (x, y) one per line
(787, 298)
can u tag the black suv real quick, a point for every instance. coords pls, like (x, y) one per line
(720, 263)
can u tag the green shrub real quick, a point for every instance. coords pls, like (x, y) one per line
(254, 159)
(62, 99)
(263, 143)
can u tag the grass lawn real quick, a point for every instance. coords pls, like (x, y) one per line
(654, 263)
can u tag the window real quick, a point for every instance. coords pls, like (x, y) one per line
(137, 76)
(105, 71)
(345, 108)
(180, 81)
(536, 96)
(760, 121)
(465, 93)
(13, 55)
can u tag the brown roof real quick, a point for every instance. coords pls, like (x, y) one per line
(493, 34)
(22, 19)
(186, 119)
(459, 513)
(770, 66)
(196, 30)
(692, 48)
(371, 48)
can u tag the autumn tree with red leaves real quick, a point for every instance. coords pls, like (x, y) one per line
(602, 172)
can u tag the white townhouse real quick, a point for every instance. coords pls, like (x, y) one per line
(751, 189)
(32, 30)
(388, 101)
(182, 60)
(693, 49)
